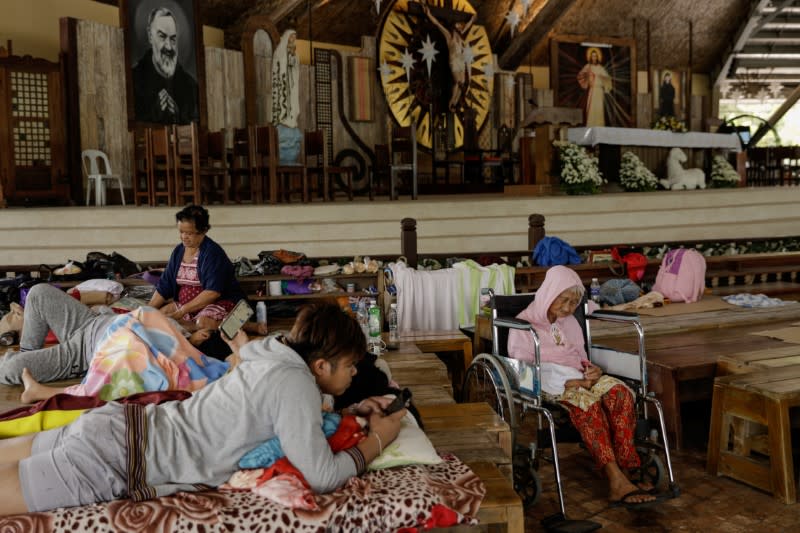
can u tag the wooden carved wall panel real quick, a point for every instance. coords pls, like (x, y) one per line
(33, 155)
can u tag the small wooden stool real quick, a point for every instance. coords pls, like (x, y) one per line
(763, 397)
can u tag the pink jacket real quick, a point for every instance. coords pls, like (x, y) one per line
(571, 350)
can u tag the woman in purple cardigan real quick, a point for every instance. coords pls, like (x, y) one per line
(199, 283)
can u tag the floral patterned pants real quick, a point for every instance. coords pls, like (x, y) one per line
(607, 428)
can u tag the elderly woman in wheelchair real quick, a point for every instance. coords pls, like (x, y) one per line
(539, 363)
(601, 408)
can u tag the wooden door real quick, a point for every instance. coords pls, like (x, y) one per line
(32, 133)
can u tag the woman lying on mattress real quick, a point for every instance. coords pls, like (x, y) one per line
(139, 452)
(119, 354)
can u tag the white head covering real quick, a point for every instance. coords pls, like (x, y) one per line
(285, 83)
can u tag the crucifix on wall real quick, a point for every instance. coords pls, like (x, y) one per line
(438, 68)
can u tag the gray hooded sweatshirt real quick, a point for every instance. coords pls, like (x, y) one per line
(270, 393)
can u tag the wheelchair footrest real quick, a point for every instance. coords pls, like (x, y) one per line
(558, 523)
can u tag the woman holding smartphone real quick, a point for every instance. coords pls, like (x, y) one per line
(602, 408)
(140, 452)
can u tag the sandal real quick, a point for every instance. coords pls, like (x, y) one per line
(623, 502)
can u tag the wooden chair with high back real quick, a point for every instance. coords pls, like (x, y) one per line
(187, 164)
(195, 174)
(266, 160)
(403, 158)
(292, 177)
(162, 165)
(215, 169)
(243, 174)
(332, 177)
(142, 172)
(379, 175)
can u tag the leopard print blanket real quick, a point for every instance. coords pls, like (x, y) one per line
(385, 500)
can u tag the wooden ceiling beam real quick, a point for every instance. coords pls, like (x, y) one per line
(534, 33)
(776, 116)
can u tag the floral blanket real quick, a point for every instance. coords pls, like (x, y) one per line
(418, 496)
(143, 351)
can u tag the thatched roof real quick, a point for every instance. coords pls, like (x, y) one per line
(701, 34)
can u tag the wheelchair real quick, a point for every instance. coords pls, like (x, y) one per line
(511, 387)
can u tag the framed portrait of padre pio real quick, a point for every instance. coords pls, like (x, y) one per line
(165, 65)
(597, 75)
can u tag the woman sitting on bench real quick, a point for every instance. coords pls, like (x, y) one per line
(140, 452)
(600, 407)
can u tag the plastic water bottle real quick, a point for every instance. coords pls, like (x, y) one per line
(261, 313)
(374, 326)
(363, 317)
(594, 291)
(394, 335)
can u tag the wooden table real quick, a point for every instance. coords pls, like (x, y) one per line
(441, 341)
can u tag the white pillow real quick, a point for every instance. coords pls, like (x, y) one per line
(411, 447)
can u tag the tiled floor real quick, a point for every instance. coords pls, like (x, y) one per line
(707, 503)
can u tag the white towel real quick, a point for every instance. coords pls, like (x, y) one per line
(426, 300)
(472, 277)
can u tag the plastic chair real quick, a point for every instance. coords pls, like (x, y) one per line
(97, 178)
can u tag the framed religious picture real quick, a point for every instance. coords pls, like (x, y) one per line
(165, 64)
(597, 75)
(669, 87)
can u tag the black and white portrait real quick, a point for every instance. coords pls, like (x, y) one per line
(162, 46)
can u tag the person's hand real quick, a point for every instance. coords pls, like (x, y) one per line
(199, 337)
(169, 309)
(386, 426)
(166, 102)
(578, 383)
(367, 406)
(592, 372)
(237, 342)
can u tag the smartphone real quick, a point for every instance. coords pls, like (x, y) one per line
(400, 401)
(232, 323)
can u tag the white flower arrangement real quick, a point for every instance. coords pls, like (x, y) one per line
(723, 174)
(579, 170)
(634, 176)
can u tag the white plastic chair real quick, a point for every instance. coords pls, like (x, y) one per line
(97, 178)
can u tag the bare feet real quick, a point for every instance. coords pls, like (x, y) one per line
(35, 391)
(622, 490)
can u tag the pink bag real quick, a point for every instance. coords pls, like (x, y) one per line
(682, 275)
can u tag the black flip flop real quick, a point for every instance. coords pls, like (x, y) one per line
(622, 502)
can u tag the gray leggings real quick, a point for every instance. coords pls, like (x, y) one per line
(75, 326)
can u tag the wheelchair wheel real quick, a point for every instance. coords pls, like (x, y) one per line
(486, 381)
(526, 479)
(652, 470)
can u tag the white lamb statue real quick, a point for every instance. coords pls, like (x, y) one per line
(679, 177)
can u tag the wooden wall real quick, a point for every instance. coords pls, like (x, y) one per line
(101, 85)
(225, 89)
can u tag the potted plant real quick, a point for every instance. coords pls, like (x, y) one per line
(579, 172)
(723, 174)
(670, 123)
(634, 176)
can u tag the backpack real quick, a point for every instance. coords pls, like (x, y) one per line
(682, 275)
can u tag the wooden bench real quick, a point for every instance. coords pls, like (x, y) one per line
(764, 397)
(423, 373)
(481, 439)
